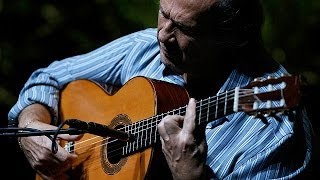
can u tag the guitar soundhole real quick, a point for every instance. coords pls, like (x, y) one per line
(114, 149)
(111, 150)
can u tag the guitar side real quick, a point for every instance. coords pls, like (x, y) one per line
(138, 99)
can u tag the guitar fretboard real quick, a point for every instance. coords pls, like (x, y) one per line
(207, 110)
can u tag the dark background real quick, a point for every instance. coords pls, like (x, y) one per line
(34, 33)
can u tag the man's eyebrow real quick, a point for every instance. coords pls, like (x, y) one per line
(177, 23)
(182, 25)
(162, 12)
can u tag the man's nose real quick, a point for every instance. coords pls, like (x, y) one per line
(167, 32)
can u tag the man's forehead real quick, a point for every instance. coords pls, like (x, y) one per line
(187, 10)
(194, 5)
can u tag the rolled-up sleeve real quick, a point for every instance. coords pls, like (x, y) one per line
(103, 65)
(43, 86)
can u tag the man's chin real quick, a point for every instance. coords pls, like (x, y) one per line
(176, 69)
(173, 68)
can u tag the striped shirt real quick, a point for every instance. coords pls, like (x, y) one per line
(239, 146)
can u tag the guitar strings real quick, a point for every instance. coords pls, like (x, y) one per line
(153, 123)
(165, 114)
(148, 124)
(161, 115)
(113, 154)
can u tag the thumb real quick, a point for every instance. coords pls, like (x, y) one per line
(68, 137)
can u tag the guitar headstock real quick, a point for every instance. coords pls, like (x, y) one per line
(270, 95)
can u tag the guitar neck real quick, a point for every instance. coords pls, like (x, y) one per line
(215, 107)
(207, 110)
(260, 97)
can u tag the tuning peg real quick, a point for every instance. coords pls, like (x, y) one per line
(257, 79)
(283, 102)
(262, 117)
(255, 114)
(279, 113)
(271, 77)
(270, 113)
(273, 113)
(267, 114)
(285, 75)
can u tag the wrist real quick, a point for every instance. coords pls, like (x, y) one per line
(28, 123)
(34, 113)
(24, 126)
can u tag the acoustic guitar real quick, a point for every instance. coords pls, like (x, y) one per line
(139, 106)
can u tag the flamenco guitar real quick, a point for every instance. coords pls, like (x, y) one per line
(138, 107)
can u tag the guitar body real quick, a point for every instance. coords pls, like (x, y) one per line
(138, 99)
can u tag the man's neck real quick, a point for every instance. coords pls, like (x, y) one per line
(203, 86)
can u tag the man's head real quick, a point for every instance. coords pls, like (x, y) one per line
(195, 34)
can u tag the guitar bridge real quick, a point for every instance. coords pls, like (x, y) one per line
(69, 146)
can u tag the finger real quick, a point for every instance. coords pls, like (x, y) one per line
(170, 125)
(67, 165)
(56, 165)
(63, 155)
(189, 119)
(68, 137)
(44, 126)
(165, 150)
(162, 130)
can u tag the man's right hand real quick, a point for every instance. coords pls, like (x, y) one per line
(37, 149)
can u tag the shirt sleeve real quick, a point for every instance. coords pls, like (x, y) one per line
(287, 159)
(103, 65)
(246, 147)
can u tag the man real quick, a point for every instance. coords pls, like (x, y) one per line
(208, 47)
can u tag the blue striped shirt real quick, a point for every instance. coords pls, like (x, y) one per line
(239, 146)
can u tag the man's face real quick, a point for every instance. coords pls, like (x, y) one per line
(185, 43)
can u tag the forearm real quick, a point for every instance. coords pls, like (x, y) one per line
(33, 114)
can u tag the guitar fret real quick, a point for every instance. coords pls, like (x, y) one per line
(143, 132)
(255, 103)
(147, 133)
(269, 104)
(140, 133)
(150, 134)
(155, 133)
(123, 148)
(236, 100)
(127, 143)
(138, 136)
(135, 134)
